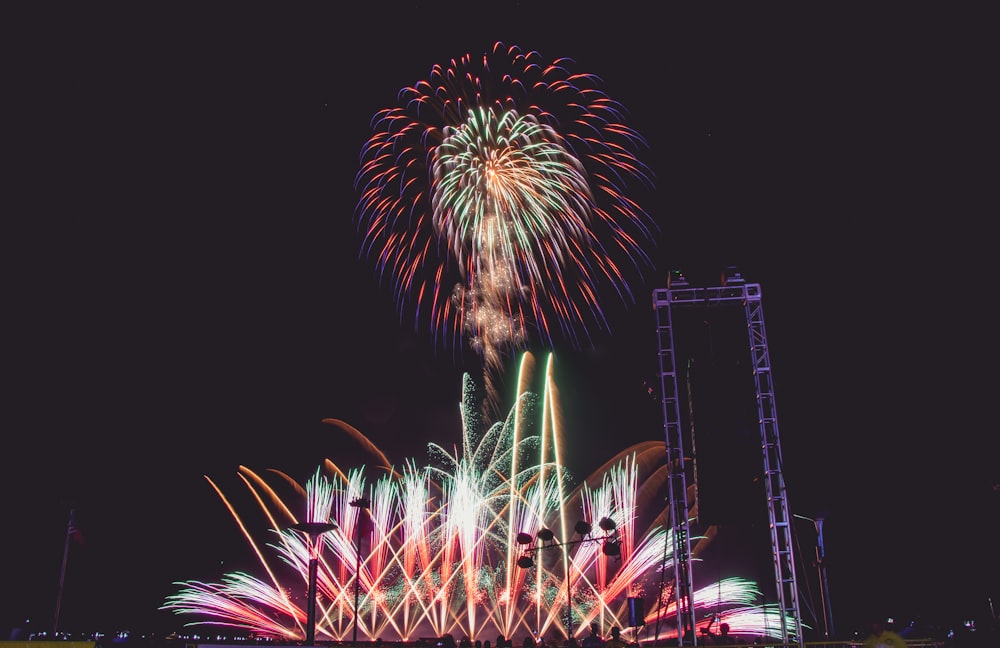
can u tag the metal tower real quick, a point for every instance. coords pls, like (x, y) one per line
(679, 294)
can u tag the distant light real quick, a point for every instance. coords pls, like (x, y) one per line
(676, 278)
(731, 276)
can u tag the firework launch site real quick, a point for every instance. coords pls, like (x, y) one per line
(962, 638)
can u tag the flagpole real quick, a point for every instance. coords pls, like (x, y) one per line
(62, 576)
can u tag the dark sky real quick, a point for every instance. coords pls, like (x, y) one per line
(183, 292)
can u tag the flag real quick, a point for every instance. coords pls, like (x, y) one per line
(72, 530)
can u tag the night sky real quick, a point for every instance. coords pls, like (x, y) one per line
(183, 291)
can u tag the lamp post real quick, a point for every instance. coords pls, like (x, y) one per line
(359, 503)
(313, 530)
(582, 528)
(824, 587)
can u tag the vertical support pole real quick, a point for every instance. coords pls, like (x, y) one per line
(311, 604)
(359, 503)
(824, 588)
(569, 606)
(62, 577)
(312, 530)
(357, 577)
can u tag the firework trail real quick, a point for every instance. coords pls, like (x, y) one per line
(493, 197)
(442, 555)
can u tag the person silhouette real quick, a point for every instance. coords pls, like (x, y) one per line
(724, 638)
(721, 638)
(616, 639)
(594, 639)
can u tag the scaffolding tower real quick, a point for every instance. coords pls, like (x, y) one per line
(679, 294)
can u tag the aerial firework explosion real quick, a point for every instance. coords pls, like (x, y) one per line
(494, 198)
(437, 549)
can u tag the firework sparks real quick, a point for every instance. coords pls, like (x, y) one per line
(494, 197)
(441, 551)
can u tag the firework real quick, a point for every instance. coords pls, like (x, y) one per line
(494, 198)
(440, 552)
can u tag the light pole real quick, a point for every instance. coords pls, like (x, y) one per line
(824, 587)
(359, 503)
(314, 530)
(547, 537)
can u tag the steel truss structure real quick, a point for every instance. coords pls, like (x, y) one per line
(679, 294)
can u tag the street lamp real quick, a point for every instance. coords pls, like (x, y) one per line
(313, 530)
(611, 547)
(824, 587)
(359, 503)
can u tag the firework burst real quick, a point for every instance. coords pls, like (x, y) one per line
(440, 548)
(493, 198)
